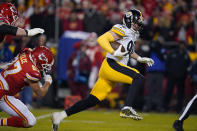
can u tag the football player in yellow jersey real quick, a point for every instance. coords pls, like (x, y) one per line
(114, 68)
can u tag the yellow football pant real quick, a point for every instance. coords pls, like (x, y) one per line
(110, 73)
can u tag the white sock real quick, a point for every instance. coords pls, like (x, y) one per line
(63, 114)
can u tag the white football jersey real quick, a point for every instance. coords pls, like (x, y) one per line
(128, 41)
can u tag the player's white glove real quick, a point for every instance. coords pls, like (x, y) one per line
(119, 53)
(146, 60)
(34, 31)
(48, 78)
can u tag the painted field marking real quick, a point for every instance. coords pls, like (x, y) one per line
(100, 122)
(43, 116)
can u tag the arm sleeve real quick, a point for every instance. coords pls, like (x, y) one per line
(8, 30)
(104, 41)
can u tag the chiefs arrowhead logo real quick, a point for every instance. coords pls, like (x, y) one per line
(43, 57)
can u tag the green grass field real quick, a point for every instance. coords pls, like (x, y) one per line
(105, 120)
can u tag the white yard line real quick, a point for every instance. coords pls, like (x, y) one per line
(81, 121)
(43, 116)
(100, 122)
(84, 121)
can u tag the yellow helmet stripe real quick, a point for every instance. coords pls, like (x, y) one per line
(141, 17)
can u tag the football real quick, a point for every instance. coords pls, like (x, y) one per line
(115, 46)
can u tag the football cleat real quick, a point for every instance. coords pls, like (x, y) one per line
(57, 117)
(129, 112)
(178, 125)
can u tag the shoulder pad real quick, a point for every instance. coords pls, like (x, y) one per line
(33, 75)
(119, 29)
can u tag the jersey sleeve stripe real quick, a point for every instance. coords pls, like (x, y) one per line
(4, 83)
(1, 85)
(117, 32)
(118, 29)
(31, 78)
(141, 17)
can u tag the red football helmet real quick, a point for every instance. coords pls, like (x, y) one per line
(9, 12)
(42, 58)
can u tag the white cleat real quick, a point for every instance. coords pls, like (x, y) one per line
(57, 117)
(129, 112)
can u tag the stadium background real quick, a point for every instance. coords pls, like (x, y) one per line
(68, 22)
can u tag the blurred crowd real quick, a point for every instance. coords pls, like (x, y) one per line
(167, 20)
(168, 37)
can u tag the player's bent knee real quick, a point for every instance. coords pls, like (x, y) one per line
(140, 78)
(31, 122)
(30, 119)
(93, 100)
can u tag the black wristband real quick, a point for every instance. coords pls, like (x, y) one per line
(8, 30)
(26, 32)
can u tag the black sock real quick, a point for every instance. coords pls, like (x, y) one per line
(137, 83)
(81, 105)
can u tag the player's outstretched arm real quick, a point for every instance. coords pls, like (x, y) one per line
(134, 55)
(16, 31)
(140, 59)
(40, 89)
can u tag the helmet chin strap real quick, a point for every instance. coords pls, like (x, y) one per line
(134, 31)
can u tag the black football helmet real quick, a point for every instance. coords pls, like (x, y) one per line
(133, 17)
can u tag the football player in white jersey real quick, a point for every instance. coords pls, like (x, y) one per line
(114, 68)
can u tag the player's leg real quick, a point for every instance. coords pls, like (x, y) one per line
(138, 81)
(98, 93)
(127, 111)
(81, 105)
(120, 73)
(20, 115)
(110, 72)
(178, 124)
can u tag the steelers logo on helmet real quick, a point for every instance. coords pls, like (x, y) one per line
(133, 19)
(129, 14)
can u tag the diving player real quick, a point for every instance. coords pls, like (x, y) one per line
(114, 68)
(24, 70)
